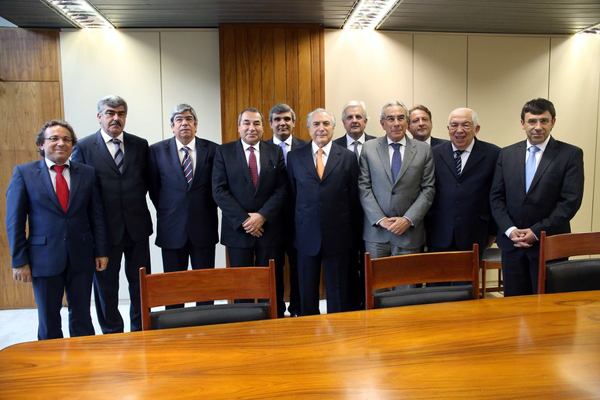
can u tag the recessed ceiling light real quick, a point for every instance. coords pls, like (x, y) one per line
(369, 14)
(80, 13)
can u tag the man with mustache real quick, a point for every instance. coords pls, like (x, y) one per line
(538, 186)
(120, 160)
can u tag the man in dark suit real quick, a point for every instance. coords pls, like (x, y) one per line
(283, 120)
(120, 160)
(354, 118)
(538, 186)
(180, 188)
(249, 187)
(460, 214)
(323, 178)
(59, 202)
(396, 183)
(420, 124)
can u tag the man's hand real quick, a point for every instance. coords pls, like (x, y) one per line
(253, 225)
(22, 273)
(523, 237)
(101, 263)
(396, 225)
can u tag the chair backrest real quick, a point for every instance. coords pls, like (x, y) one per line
(412, 269)
(573, 273)
(206, 285)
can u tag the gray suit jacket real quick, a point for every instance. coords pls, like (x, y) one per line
(410, 196)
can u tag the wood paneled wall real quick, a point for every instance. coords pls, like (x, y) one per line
(30, 94)
(262, 65)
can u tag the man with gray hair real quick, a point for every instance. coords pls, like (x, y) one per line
(323, 179)
(396, 186)
(180, 188)
(120, 160)
(354, 118)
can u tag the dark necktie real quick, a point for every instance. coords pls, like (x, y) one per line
(186, 165)
(62, 189)
(458, 161)
(530, 167)
(284, 149)
(396, 160)
(253, 167)
(118, 154)
(355, 144)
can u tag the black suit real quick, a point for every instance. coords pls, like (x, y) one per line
(187, 221)
(236, 196)
(436, 141)
(290, 250)
(357, 278)
(460, 214)
(128, 222)
(326, 230)
(552, 200)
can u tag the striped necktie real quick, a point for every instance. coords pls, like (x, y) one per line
(186, 165)
(118, 154)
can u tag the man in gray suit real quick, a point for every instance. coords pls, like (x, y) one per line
(396, 184)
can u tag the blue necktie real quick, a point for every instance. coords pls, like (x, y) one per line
(396, 160)
(186, 164)
(530, 167)
(284, 148)
(118, 154)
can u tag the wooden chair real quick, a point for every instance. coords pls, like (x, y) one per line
(207, 285)
(389, 272)
(492, 259)
(569, 275)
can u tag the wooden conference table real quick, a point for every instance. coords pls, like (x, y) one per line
(530, 347)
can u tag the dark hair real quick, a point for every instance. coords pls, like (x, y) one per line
(279, 109)
(422, 108)
(112, 101)
(250, 109)
(538, 106)
(41, 138)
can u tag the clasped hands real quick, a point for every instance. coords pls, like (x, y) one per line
(396, 225)
(253, 225)
(523, 237)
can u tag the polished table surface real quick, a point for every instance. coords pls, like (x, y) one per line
(543, 347)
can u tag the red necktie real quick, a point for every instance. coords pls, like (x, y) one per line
(253, 167)
(62, 189)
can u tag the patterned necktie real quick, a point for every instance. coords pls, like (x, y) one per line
(284, 148)
(396, 160)
(458, 161)
(186, 165)
(530, 167)
(253, 167)
(355, 144)
(320, 165)
(62, 189)
(118, 154)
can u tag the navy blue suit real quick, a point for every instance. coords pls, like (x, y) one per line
(187, 222)
(128, 221)
(436, 141)
(553, 199)
(326, 227)
(290, 250)
(460, 214)
(61, 247)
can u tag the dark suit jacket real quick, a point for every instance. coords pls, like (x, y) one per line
(553, 198)
(55, 239)
(461, 207)
(324, 209)
(342, 141)
(436, 141)
(123, 194)
(183, 212)
(296, 143)
(236, 197)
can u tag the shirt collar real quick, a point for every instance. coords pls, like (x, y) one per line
(108, 139)
(402, 142)
(50, 164)
(191, 145)
(349, 139)
(246, 146)
(541, 146)
(326, 148)
(287, 141)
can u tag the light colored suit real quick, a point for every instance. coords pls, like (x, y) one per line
(409, 196)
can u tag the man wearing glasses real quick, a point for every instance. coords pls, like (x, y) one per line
(538, 186)
(396, 184)
(59, 202)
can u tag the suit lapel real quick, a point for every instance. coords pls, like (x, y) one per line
(240, 158)
(520, 163)
(409, 155)
(173, 160)
(201, 154)
(384, 157)
(104, 154)
(46, 183)
(474, 158)
(549, 154)
(75, 181)
(308, 161)
(333, 159)
(448, 157)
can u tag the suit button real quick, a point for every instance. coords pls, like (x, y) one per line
(393, 193)
(457, 184)
(320, 203)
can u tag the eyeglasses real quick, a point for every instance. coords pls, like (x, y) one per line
(542, 121)
(55, 139)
